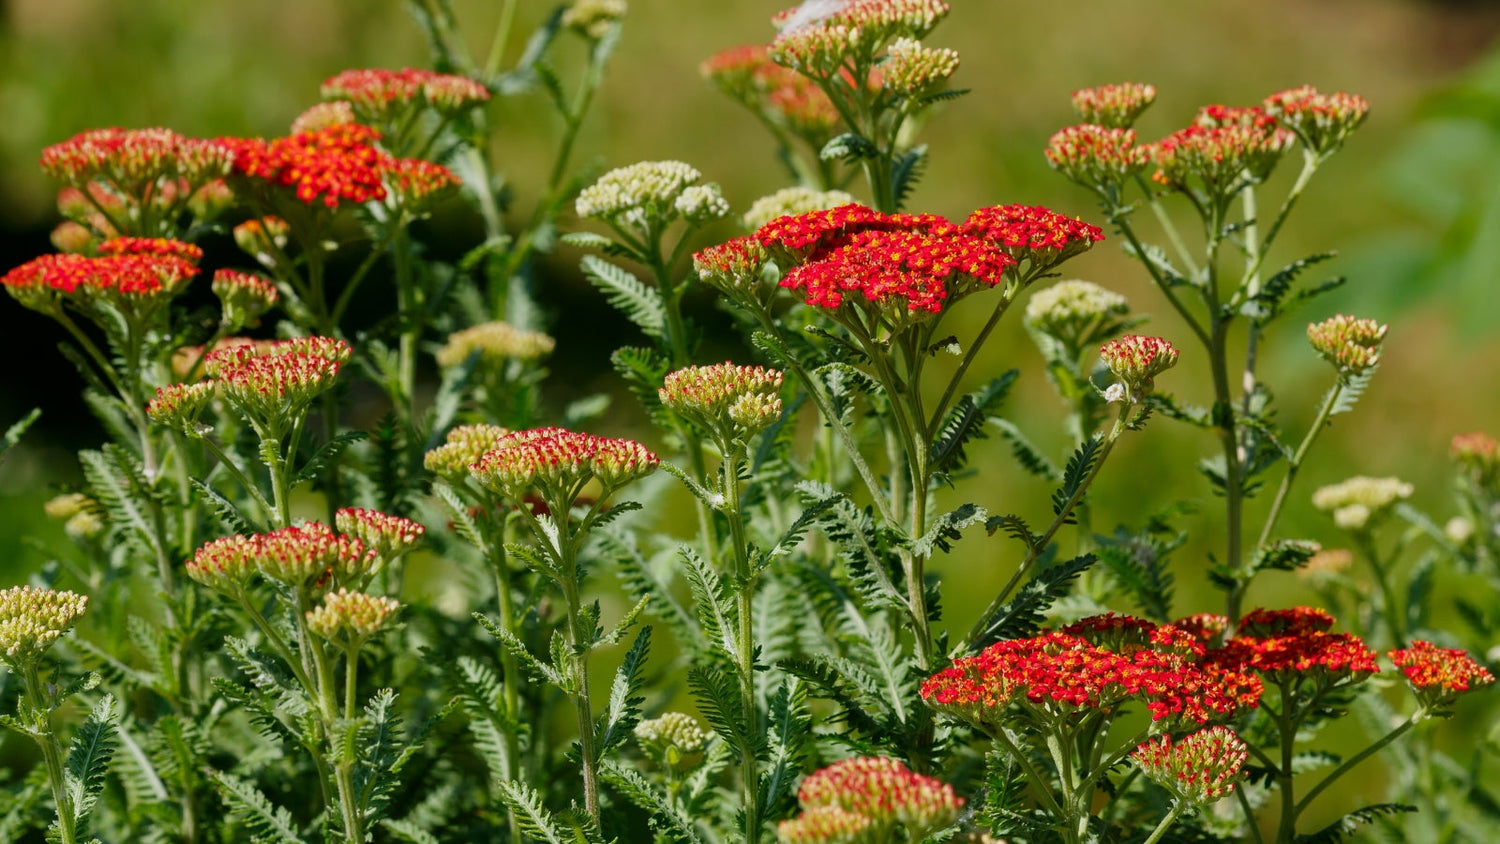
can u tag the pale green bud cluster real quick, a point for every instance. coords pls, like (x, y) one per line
(700, 204)
(792, 201)
(495, 343)
(593, 18)
(31, 619)
(1075, 311)
(348, 619)
(1351, 344)
(1358, 500)
(730, 401)
(913, 70)
(676, 739)
(463, 448)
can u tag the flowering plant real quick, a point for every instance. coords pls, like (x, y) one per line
(290, 672)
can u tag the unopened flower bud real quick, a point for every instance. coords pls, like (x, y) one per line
(244, 297)
(699, 204)
(31, 619)
(1136, 361)
(912, 70)
(593, 18)
(1095, 156)
(495, 343)
(791, 201)
(1459, 530)
(556, 462)
(1322, 121)
(225, 565)
(463, 448)
(886, 792)
(262, 239)
(72, 237)
(734, 268)
(1200, 768)
(1359, 500)
(639, 195)
(324, 115)
(179, 406)
(1076, 313)
(676, 739)
(825, 825)
(386, 535)
(68, 505)
(348, 619)
(84, 526)
(731, 402)
(1478, 453)
(1114, 106)
(1351, 344)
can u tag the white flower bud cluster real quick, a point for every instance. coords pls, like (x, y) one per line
(700, 204)
(636, 195)
(795, 200)
(31, 619)
(1067, 309)
(1358, 500)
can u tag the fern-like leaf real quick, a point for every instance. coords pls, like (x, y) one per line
(625, 699)
(1080, 466)
(630, 296)
(667, 815)
(966, 421)
(89, 754)
(1027, 455)
(14, 433)
(1346, 825)
(1023, 615)
(326, 456)
(532, 817)
(906, 171)
(718, 698)
(266, 822)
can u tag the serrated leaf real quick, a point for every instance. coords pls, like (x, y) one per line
(409, 832)
(1266, 304)
(115, 479)
(966, 421)
(1024, 614)
(1080, 466)
(227, 512)
(716, 611)
(630, 296)
(790, 731)
(1346, 825)
(718, 698)
(907, 170)
(948, 528)
(850, 146)
(531, 816)
(1284, 555)
(89, 754)
(1353, 389)
(326, 456)
(624, 710)
(1027, 455)
(668, 816)
(14, 433)
(266, 822)
(478, 690)
(586, 240)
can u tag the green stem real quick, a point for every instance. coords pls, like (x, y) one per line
(1162, 283)
(1349, 763)
(242, 478)
(1034, 552)
(501, 40)
(963, 365)
(41, 712)
(1173, 235)
(1388, 603)
(745, 647)
(1295, 463)
(1178, 807)
(409, 301)
(1034, 778)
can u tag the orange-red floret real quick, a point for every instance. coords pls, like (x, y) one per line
(330, 165)
(1446, 670)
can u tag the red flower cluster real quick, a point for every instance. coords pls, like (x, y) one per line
(1285, 645)
(1062, 670)
(1201, 767)
(1032, 233)
(151, 246)
(330, 165)
(923, 261)
(1321, 121)
(38, 282)
(1095, 156)
(385, 93)
(272, 382)
(385, 535)
(1114, 106)
(1440, 674)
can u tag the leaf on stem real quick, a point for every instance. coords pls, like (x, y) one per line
(229, 515)
(1346, 826)
(718, 698)
(948, 528)
(1024, 614)
(629, 295)
(265, 821)
(624, 710)
(1080, 466)
(965, 421)
(88, 760)
(909, 166)
(1027, 455)
(669, 817)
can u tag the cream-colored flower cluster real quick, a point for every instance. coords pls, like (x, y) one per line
(794, 200)
(495, 343)
(1358, 500)
(31, 619)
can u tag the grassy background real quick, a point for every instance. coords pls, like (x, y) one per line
(1413, 206)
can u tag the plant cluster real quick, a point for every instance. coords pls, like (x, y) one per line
(305, 625)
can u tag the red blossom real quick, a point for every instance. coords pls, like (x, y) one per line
(151, 246)
(1440, 672)
(131, 275)
(1032, 233)
(330, 165)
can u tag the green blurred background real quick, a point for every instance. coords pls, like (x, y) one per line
(1413, 205)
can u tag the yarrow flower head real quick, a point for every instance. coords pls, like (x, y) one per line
(1351, 344)
(732, 402)
(328, 166)
(262, 239)
(1360, 502)
(1114, 106)
(1136, 361)
(137, 284)
(594, 18)
(642, 195)
(1226, 149)
(1096, 157)
(272, 383)
(349, 619)
(1478, 453)
(1321, 121)
(1439, 675)
(1040, 236)
(494, 344)
(901, 266)
(826, 825)
(463, 448)
(557, 463)
(792, 201)
(180, 406)
(309, 557)
(1076, 313)
(818, 38)
(779, 95)
(884, 791)
(137, 165)
(1199, 768)
(734, 268)
(323, 115)
(912, 70)
(244, 297)
(151, 246)
(383, 96)
(31, 619)
(1287, 646)
(387, 536)
(416, 184)
(676, 740)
